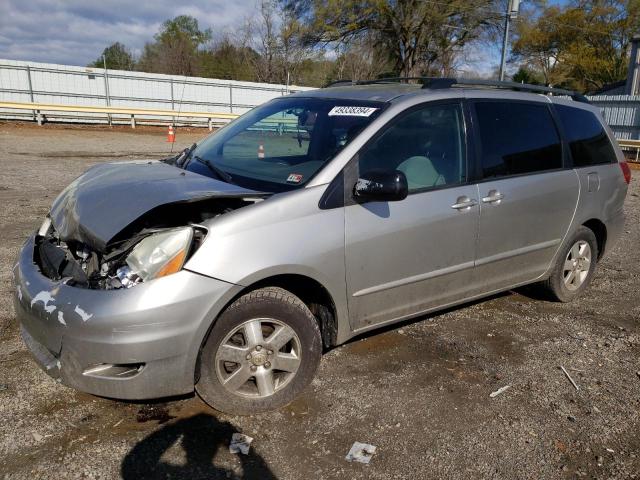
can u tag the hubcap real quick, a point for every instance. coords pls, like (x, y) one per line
(577, 265)
(258, 358)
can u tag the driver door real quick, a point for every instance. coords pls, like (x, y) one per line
(409, 256)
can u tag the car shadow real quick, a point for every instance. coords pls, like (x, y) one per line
(201, 436)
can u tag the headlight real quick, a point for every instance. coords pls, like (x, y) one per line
(158, 255)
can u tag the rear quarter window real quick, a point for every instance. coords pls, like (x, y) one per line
(517, 138)
(588, 140)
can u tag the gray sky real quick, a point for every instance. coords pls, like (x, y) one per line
(74, 32)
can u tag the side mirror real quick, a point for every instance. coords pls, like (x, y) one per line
(381, 186)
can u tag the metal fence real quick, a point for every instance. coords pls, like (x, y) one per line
(622, 113)
(69, 85)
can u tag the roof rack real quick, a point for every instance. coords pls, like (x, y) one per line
(435, 83)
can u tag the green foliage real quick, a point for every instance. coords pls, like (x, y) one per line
(176, 49)
(228, 61)
(116, 57)
(526, 75)
(582, 45)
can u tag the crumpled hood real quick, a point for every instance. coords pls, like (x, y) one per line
(108, 197)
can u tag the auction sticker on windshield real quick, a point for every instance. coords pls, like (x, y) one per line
(346, 111)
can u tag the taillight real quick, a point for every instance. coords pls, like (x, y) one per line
(626, 172)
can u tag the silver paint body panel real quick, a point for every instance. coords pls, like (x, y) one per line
(379, 262)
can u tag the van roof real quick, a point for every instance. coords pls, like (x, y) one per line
(388, 90)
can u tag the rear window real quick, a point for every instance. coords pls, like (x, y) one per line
(587, 138)
(517, 138)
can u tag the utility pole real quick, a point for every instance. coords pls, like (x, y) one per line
(106, 87)
(513, 6)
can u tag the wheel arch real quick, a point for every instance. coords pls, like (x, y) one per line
(599, 229)
(310, 291)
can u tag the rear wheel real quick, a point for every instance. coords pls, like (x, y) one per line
(574, 267)
(261, 353)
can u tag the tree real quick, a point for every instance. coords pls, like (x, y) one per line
(418, 37)
(277, 36)
(116, 56)
(176, 49)
(526, 75)
(359, 60)
(224, 59)
(582, 45)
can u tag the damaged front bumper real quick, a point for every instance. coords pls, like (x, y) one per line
(136, 343)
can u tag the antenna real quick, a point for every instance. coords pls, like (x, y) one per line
(184, 84)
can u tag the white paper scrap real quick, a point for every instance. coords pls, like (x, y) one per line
(240, 443)
(499, 391)
(361, 452)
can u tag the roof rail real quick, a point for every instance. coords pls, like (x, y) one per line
(520, 87)
(338, 83)
(435, 83)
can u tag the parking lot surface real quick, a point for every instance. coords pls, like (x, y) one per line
(419, 391)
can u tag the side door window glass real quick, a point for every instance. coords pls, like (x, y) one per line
(426, 144)
(517, 138)
(587, 138)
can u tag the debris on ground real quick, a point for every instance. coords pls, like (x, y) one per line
(37, 437)
(360, 452)
(153, 412)
(240, 443)
(575, 385)
(499, 391)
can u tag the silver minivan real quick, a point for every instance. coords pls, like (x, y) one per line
(308, 220)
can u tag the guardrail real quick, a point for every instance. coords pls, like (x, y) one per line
(40, 110)
(629, 144)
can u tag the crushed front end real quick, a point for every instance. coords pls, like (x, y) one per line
(105, 301)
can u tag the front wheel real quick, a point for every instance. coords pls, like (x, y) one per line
(574, 268)
(261, 353)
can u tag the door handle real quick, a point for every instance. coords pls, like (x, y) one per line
(494, 196)
(464, 203)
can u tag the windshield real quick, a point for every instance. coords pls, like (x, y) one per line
(281, 145)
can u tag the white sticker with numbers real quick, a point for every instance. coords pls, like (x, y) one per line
(346, 111)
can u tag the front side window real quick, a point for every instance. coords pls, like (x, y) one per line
(426, 144)
(587, 138)
(517, 138)
(279, 146)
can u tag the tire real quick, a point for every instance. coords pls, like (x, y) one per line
(557, 285)
(245, 343)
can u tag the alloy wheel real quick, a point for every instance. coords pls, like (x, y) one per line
(258, 358)
(577, 265)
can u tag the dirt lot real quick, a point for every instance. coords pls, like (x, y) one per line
(419, 391)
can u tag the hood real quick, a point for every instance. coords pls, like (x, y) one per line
(108, 197)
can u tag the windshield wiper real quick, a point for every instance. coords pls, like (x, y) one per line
(185, 154)
(221, 174)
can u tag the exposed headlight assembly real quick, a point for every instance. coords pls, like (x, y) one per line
(156, 256)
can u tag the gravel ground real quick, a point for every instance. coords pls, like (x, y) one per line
(418, 391)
